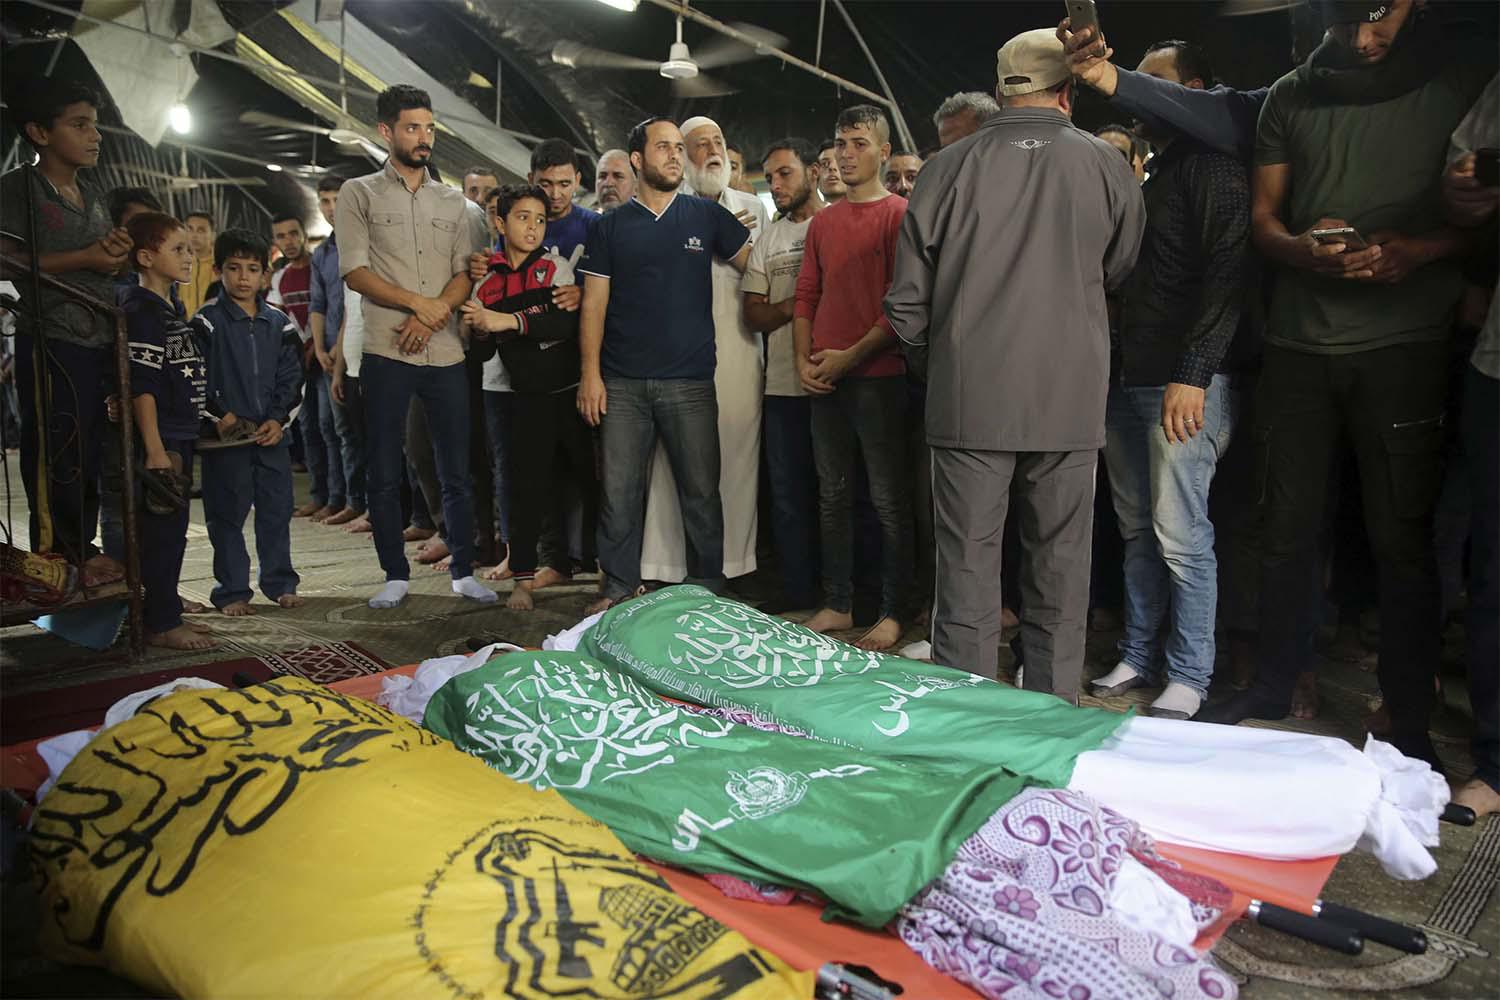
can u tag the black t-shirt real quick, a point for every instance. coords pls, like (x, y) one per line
(660, 319)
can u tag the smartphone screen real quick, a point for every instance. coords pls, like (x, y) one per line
(1082, 14)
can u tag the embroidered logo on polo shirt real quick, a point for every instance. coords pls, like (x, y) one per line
(694, 244)
(1030, 144)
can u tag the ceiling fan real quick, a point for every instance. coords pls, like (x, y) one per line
(680, 66)
(183, 181)
(338, 136)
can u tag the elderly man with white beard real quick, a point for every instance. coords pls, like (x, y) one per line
(739, 381)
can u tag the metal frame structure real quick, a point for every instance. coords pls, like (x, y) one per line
(13, 614)
(683, 9)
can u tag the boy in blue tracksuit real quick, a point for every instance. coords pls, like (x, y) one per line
(255, 375)
(166, 395)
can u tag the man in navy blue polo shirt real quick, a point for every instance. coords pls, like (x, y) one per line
(647, 334)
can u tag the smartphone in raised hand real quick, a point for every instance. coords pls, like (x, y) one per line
(1082, 14)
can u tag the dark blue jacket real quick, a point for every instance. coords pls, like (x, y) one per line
(254, 363)
(164, 362)
(1221, 119)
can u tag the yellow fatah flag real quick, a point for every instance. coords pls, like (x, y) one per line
(289, 841)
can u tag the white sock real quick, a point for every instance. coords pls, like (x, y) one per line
(474, 590)
(1178, 700)
(918, 650)
(1123, 672)
(390, 596)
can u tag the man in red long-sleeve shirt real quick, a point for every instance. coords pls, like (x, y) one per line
(848, 359)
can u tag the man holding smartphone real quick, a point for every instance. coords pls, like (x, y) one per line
(1355, 340)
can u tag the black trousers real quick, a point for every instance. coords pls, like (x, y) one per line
(546, 437)
(1389, 403)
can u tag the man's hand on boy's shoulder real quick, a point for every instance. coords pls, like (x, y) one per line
(479, 266)
(268, 434)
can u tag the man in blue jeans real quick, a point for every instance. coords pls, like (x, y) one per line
(343, 440)
(1171, 408)
(647, 338)
(404, 245)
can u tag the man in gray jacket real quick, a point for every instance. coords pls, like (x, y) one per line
(1007, 249)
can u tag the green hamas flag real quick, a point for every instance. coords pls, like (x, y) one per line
(686, 643)
(865, 831)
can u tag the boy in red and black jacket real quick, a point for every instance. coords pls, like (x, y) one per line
(538, 344)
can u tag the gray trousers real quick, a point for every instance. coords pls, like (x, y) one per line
(1054, 492)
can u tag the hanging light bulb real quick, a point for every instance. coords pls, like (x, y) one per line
(180, 118)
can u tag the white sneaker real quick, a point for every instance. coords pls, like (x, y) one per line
(1178, 701)
(1117, 681)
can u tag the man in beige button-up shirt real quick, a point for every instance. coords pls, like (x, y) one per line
(404, 244)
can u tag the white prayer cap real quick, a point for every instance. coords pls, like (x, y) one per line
(697, 122)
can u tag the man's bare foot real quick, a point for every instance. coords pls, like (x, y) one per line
(1008, 618)
(360, 525)
(101, 571)
(202, 628)
(549, 577)
(829, 620)
(1305, 696)
(344, 516)
(238, 609)
(434, 550)
(415, 534)
(601, 605)
(290, 601)
(181, 637)
(192, 607)
(322, 514)
(884, 635)
(497, 573)
(308, 509)
(520, 597)
(444, 564)
(1478, 796)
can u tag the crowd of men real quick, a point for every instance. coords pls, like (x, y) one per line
(927, 358)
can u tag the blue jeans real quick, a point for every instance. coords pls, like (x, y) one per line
(315, 450)
(1161, 501)
(233, 480)
(497, 408)
(389, 387)
(685, 413)
(349, 419)
(794, 495)
(339, 450)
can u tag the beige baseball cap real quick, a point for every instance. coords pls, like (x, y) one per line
(1031, 61)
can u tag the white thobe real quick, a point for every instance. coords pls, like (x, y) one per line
(739, 381)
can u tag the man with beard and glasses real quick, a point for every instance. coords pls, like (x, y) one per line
(404, 245)
(1184, 337)
(614, 184)
(830, 182)
(1356, 337)
(900, 173)
(847, 359)
(738, 382)
(770, 291)
(647, 338)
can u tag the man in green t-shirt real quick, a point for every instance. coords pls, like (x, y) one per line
(1355, 138)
